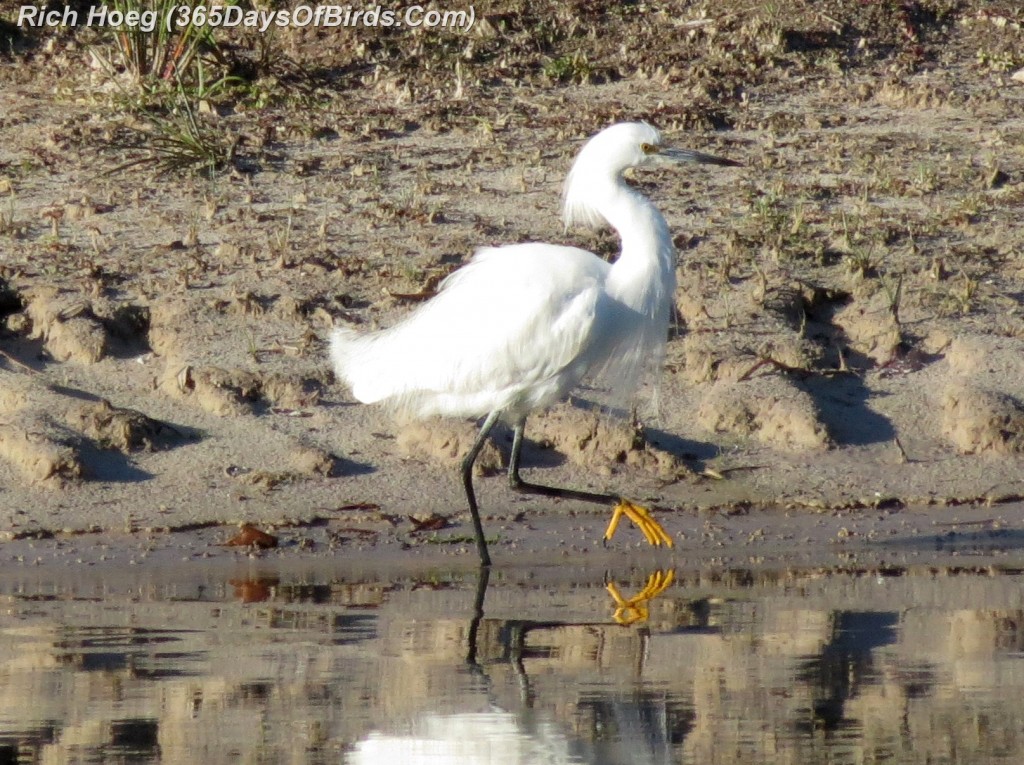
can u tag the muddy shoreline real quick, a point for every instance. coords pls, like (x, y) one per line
(848, 338)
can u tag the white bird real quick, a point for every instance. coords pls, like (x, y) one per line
(519, 327)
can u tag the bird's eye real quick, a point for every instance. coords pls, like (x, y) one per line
(648, 148)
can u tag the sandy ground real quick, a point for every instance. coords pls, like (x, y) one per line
(849, 345)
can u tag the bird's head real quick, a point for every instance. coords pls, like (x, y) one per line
(618, 148)
(607, 155)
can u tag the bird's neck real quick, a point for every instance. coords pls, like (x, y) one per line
(644, 275)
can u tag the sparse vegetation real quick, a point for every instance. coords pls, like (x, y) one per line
(570, 68)
(336, 176)
(8, 221)
(177, 72)
(161, 54)
(178, 141)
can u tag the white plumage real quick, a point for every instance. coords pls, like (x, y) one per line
(518, 327)
(474, 348)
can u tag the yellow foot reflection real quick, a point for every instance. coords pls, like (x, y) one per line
(635, 608)
(642, 517)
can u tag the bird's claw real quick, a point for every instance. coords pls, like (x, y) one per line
(635, 608)
(643, 519)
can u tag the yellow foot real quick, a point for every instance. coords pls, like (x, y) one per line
(635, 608)
(642, 517)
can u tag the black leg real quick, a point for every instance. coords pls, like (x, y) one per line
(467, 482)
(513, 461)
(478, 614)
(651, 529)
(518, 484)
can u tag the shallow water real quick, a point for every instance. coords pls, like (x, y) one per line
(245, 663)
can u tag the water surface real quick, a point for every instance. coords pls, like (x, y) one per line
(248, 663)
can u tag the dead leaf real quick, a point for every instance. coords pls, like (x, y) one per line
(432, 522)
(250, 536)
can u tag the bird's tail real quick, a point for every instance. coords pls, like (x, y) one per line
(375, 365)
(349, 356)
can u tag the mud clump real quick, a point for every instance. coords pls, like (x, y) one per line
(34, 444)
(770, 409)
(871, 330)
(233, 392)
(448, 442)
(978, 421)
(593, 441)
(125, 430)
(73, 328)
(128, 327)
(69, 329)
(15, 392)
(37, 451)
(10, 301)
(313, 461)
(289, 391)
(169, 320)
(704, 360)
(223, 392)
(691, 305)
(48, 434)
(979, 413)
(979, 356)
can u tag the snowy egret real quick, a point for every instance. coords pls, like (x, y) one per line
(519, 327)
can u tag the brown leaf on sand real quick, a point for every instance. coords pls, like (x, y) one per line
(250, 536)
(432, 522)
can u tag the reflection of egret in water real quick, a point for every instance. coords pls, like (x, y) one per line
(634, 609)
(487, 738)
(639, 727)
(640, 730)
(845, 663)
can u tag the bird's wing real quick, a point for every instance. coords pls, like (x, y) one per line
(509, 321)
